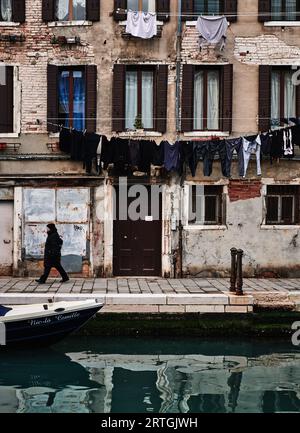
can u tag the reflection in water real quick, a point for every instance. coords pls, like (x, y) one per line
(151, 376)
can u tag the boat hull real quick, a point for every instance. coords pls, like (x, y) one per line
(46, 330)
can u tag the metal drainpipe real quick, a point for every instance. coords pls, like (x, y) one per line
(178, 122)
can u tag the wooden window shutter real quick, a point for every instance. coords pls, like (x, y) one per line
(264, 99)
(118, 98)
(48, 10)
(18, 7)
(91, 98)
(230, 9)
(93, 10)
(227, 89)
(264, 10)
(122, 5)
(161, 98)
(297, 205)
(7, 102)
(187, 98)
(52, 100)
(163, 10)
(272, 209)
(187, 10)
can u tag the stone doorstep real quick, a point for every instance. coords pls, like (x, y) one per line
(236, 309)
(241, 300)
(205, 309)
(129, 309)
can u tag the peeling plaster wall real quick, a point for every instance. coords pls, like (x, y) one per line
(268, 252)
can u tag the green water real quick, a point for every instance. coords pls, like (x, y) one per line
(110, 375)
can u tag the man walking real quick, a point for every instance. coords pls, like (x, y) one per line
(52, 255)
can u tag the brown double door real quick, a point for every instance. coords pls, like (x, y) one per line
(137, 244)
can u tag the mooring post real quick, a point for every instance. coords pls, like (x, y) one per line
(239, 277)
(233, 269)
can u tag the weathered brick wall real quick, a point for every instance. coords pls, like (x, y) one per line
(244, 189)
(32, 57)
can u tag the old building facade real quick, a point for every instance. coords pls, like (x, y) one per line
(48, 46)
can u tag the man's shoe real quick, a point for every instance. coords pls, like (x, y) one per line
(40, 282)
(64, 281)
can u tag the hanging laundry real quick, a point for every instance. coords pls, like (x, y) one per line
(146, 155)
(65, 140)
(121, 156)
(206, 151)
(276, 137)
(212, 30)
(91, 143)
(288, 147)
(106, 153)
(134, 151)
(296, 135)
(141, 24)
(187, 149)
(234, 145)
(252, 145)
(158, 154)
(77, 145)
(172, 156)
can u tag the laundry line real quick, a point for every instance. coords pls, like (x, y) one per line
(245, 14)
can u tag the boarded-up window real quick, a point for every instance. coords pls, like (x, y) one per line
(6, 98)
(282, 203)
(206, 205)
(68, 208)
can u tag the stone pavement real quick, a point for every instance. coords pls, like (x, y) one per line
(154, 295)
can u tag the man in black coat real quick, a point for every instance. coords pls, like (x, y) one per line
(52, 255)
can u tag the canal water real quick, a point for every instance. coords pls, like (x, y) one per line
(123, 375)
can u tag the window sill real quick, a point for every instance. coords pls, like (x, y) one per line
(280, 227)
(202, 227)
(70, 23)
(282, 24)
(9, 24)
(140, 134)
(206, 134)
(9, 135)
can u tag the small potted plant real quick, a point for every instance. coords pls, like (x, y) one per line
(138, 124)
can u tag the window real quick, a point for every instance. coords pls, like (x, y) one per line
(71, 97)
(283, 95)
(285, 10)
(139, 99)
(7, 99)
(141, 5)
(207, 7)
(282, 204)
(70, 10)
(6, 10)
(206, 99)
(206, 205)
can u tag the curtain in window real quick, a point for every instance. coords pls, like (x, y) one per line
(203, 7)
(79, 101)
(62, 10)
(291, 9)
(276, 10)
(131, 99)
(213, 100)
(79, 13)
(147, 99)
(198, 101)
(289, 96)
(64, 93)
(275, 99)
(6, 10)
(133, 5)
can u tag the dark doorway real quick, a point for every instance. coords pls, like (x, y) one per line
(137, 244)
